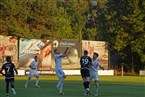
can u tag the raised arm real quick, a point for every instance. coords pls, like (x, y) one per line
(66, 53)
(101, 67)
(66, 50)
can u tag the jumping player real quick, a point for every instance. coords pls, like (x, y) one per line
(33, 72)
(58, 68)
(94, 71)
(85, 62)
(9, 69)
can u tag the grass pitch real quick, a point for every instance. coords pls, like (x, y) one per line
(110, 86)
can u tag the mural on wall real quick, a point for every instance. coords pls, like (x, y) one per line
(8, 47)
(28, 48)
(72, 60)
(100, 47)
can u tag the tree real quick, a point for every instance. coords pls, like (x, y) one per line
(122, 23)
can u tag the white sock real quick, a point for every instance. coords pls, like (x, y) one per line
(59, 83)
(37, 81)
(97, 86)
(61, 87)
(87, 89)
(26, 82)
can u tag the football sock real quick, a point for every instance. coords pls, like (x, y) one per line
(26, 82)
(12, 84)
(7, 88)
(59, 83)
(37, 81)
(84, 83)
(97, 86)
(87, 84)
(61, 87)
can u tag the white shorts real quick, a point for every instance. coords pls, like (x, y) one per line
(59, 73)
(33, 73)
(94, 75)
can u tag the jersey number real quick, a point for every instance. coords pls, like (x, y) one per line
(85, 61)
(8, 69)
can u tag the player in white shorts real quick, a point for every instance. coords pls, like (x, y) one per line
(58, 68)
(33, 72)
(94, 71)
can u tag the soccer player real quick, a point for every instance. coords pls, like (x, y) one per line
(58, 68)
(9, 69)
(85, 62)
(33, 72)
(94, 71)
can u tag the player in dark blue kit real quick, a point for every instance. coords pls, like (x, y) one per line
(9, 69)
(85, 62)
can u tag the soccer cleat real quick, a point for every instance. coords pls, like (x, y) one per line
(87, 93)
(96, 94)
(37, 86)
(61, 93)
(14, 92)
(7, 95)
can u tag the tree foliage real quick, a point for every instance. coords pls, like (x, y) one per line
(119, 22)
(124, 29)
(32, 18)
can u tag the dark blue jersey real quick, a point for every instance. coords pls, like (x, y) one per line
(85, 62)
(9, 70)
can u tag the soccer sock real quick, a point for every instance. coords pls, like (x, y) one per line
(87, 86)
(37, 81)
(97, 86)
(84, 83)
(59, 83)
(61, 87)
(26, 82)
(7, 88)
(12, 84)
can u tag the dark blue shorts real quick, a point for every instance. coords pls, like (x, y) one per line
(85, 73)
(9, 80)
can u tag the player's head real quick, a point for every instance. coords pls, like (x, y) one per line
(35, 58)
(56, 51)
(8, 59)
(85, 52)
(95, 55)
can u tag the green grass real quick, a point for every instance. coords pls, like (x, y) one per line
(110, 86)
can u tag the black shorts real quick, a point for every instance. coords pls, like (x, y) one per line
(85, 73)
(9, 80)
